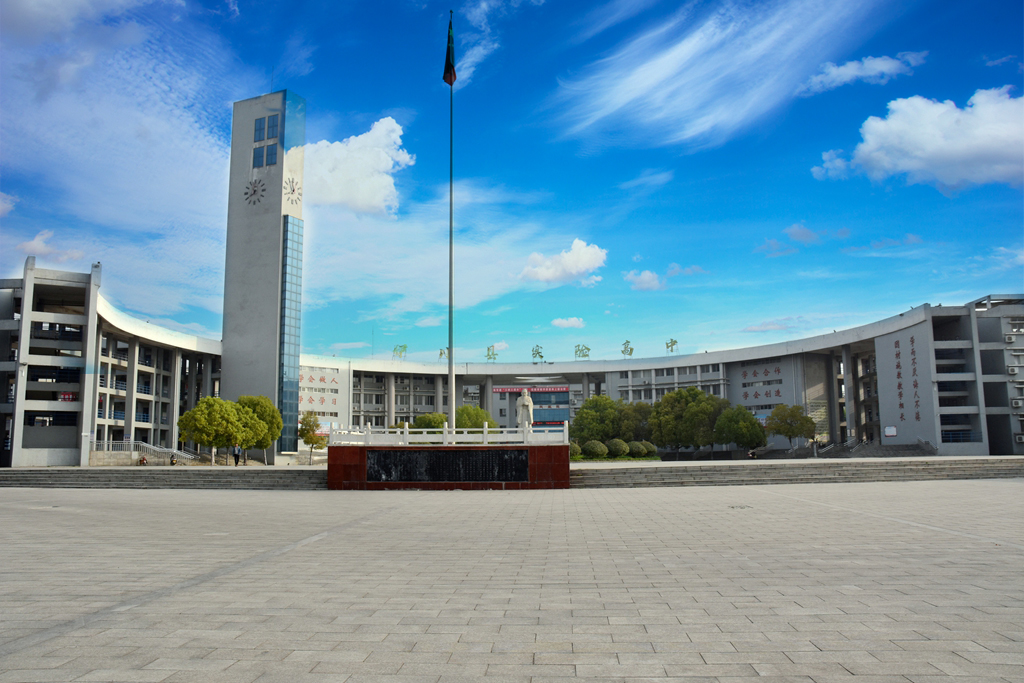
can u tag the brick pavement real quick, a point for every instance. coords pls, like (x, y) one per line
(899, 581)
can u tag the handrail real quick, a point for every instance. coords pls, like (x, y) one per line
(138, 447)
(382, 436)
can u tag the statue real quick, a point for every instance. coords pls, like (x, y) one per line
(524, 411)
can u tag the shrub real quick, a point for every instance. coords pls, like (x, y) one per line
(637, 450)
(650, 447)
(617, 448)
(594, 449)
(574, 450)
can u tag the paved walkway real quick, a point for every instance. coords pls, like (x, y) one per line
(914, 581)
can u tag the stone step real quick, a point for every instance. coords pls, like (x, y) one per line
(142, 478)
(798, 473)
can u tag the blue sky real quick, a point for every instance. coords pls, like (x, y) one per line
(720, 173)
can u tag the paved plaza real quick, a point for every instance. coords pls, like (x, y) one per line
(901, 581)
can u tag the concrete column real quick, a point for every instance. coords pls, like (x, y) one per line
(21, 376)
(130, 381)
(89, 381)
(207, 375)
(192, 383)
(487, 395)
(389, 398)
(175, 396)
(439, 394)
(850, 388)
(586, 386)
(832, 398)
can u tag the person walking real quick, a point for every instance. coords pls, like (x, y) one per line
(237, 452)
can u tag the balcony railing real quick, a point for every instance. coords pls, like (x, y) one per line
(117, 415)
(121, 385)
(103, 381)
(961, 437)
(99, 412)
(148, 362)
(144, 389)
(119, 355)
(142, 417)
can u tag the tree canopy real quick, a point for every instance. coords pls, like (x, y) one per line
(214, 423)
(790, 422)
(430, 421)
(309, 424)
(473, 417)
(597, 420)
(736, 425)
(266, 413)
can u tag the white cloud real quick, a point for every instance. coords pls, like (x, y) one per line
(342, 346)
(38, 247)
(7, 203)
(568, 322)
(358, 172)
(1001, 60)
(648, 181)
(801, 234)
(834, 166)
(646, 281)
(676, 269)
(97, 114)
(875, 70)
(609, 14)
(479, 43)
(939, 144)
(700, 76)
(496, 229)
(430, 321)
(500, 346)
(34, 20)
(770, 326)
(773, 248)
(574, 264)
(296, 59)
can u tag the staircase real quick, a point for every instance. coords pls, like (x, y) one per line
(297, 479)
(798, 472)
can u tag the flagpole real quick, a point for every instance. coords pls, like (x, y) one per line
(451, 247)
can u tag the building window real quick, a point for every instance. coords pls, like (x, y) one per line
(257, 157)
(503, 396)
(647, 394)
(258, 136)
(624, 374)
(271, 154)
(272, 127)
(502, 412)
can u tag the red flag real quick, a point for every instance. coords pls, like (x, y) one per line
(449, 58)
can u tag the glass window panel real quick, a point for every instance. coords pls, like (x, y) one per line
(271, 155)
(257, 157)
(272, 127)
(258, 135)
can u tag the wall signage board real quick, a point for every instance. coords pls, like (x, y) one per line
(890, 431)
(532, 390)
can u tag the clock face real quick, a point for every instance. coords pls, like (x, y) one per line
(254, 191)
(292, 191)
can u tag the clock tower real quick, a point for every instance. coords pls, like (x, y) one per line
(263, 264)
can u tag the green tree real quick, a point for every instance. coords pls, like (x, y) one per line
(667, 426)
(736, 425)
(214, 423)
(594, 449)
(430, 421)
(596, 420)
(473, 417)
(269, 415)
(254, 430)
(308, 427)
(699, 419)
(790, 422)
(635, 421)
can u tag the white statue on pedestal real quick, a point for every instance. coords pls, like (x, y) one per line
(524, 411)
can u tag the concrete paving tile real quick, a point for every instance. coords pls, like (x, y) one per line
(40, 675)
(125, 675)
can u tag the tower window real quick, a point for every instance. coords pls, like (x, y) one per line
(258, 136)
(272, 127)
(257, 157)
(271, 154)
